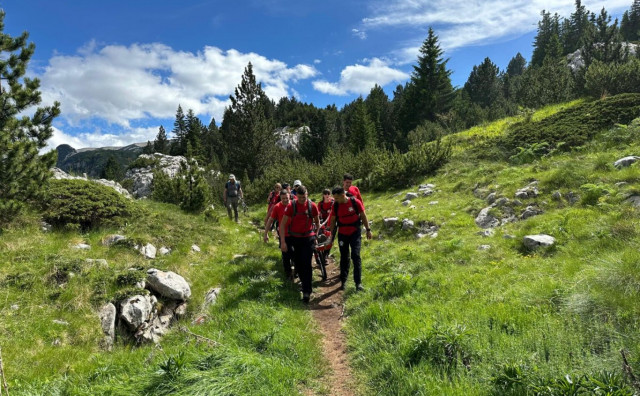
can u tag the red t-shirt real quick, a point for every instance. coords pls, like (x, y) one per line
(347, 214)
(325, 211)
(355, 191)
(301, 223)
(278, 212)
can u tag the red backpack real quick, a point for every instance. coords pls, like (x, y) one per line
(295, 213)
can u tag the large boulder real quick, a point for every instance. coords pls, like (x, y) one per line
(136, 310)
(142, 178)
(626, 161)
(107, 317)
(533, 242)
(410, 196)
(407, 224)
(389, 222)
(168, 284)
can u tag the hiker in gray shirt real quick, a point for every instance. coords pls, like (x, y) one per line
(232, 195)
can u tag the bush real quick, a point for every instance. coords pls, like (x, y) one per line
(604, 79)
(143, 161)
(591, 193)
(189, 189)
(445, 349)
(84, 204)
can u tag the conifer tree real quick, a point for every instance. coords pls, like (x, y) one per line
(430, 91)
(362, 132)
(112, 170)
(179, 146)
(548, 27)
(484, 85)
(379, 109)
(604, 43)
(23, 171)
(578, 28)
(148, 149)
(161, 144)
(248, 129)
(630, 24)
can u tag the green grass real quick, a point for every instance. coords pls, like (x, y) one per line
(438, 316)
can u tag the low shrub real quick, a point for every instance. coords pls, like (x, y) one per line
(189, 189)
(84, 204)
(444, 348)
(591, 193)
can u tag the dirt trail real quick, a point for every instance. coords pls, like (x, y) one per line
(327, 308)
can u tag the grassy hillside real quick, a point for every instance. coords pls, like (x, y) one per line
(460, 313)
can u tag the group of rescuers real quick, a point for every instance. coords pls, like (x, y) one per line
(299, 221)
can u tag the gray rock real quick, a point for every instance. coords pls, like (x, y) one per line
(141, 284)
(634, 200)
(491, 198)
(168, 284)
(195, 248)
(516, 202)
(142, 178)
(500, 202)
(406, 203)
(433, 203)
(530, 211)
(434, 235)
(426, 187)
(486, 233)
(407, 224)
(509, 236)
(81, 246)
(46, 227)
(181, 310)
(556, 196)
(113, 239)
(426, 193)
(15, 307)
(486, 220)
(164, 251)
(480, 193)
(621, 184)
(533, 242)
(136, 310)
(626, 161)
(107, 317)
(61, 322)
(289, 138)
(530, 191)
(410, 196)
(484, 247)
(572, 197)
(389, 222)
(421, 235)
(148, 251)
(211, 297)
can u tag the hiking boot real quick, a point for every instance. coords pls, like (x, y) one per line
(359, 287)
(306, 297)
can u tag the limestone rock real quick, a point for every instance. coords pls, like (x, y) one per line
(46, 227)
(110, 240)
(142, 178)
(410, 196)
(486, 219)
(195, 248)
(533, 242)
(486, 233)
(407, 224)
(148, 251)
(389, 222)
(164, 251)
(60, 174)
(81, 246)
(211, 297)
(100, 262)
(168, 284)
(406, 203)
(634, 200)
(491, 198)
(626, 161)
(530, 211)
(484, 247)
(556, 196)
(530, 191)
(136, 310)
(107, 317)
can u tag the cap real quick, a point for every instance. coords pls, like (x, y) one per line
(231, 176)
(297, 183)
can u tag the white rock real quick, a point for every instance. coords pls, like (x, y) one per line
(164, 251)
(113, 239)
(136, 310)
(410, 196)
(148, 251)
(195, 248)
(46, 227)
(101, 262)
(626, 161)
(407, 224)
(389, 222)
(484, 247)
(15, 307)
(433, 203)
(536, 241)
(406, 203)
(168, 284)
(81, 246)
(486, 220)
(107, 317)
(212, 296)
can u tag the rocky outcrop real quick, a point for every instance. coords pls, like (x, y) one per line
(168, 284)
(59, 174)
(289, 138)
(142, 178)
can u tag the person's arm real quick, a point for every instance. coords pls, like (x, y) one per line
(365, 221)
(334, 228)
(224, 195)
(267, 227)
(316, 221)
(283, 224)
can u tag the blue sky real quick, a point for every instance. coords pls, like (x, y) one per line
(120, 68)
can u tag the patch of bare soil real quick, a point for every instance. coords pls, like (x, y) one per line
(327, 308)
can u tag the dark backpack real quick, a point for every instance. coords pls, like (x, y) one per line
(356, 223)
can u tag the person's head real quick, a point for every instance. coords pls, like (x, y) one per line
(286, 186)
(301, 193)
(277, 187)
(284, 196)
(326, 195)
(347, 179)
(232, 177)
(296, 184)
(339, 194)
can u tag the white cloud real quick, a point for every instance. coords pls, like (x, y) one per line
(120, 84)
(459, 23)
(99, 139)
(317, 61)
(359, 79)
(361, 34)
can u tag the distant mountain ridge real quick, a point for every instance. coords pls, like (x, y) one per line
(92, 160)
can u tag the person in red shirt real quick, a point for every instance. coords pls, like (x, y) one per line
(347, 220)
(350, 190)
(325, 208)
(272, 200)
(277, 212)
(298, 221)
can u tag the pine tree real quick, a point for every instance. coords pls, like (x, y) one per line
(23, 171)
(630, 25)
(194, 134)
(380, 110)
(604, 43)
(247, 128)
(362, 131)
(112, 170)
(548, 27)
(148, 149)
(179, 146)
(578, 28)
(484, 85)
(161, 144)
(430, 91)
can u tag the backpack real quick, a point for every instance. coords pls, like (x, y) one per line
(295, 213)
(356, 223)
(233, 192)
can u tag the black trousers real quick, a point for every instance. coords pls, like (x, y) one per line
(350, 242)
(301, 252)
